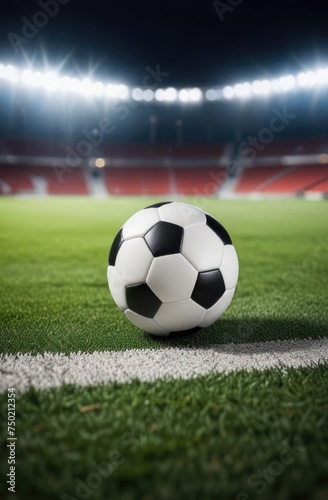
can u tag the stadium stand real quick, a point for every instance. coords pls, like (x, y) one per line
(14, 180)
(198, 180)
(251, 179)
(286, 168)
(70, 181)
(296, 180)
(320, 187)
(41, 180)
(131, 169)
(215, 153)
(135, 181)
(163, 180)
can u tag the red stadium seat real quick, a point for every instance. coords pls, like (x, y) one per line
(62, 181)
(22, 180)
(253, 177)
(297, 180)
(321, 187)
(16, 178)
(137, 180)
(206, 181)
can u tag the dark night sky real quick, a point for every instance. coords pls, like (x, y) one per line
(115, 41)
(257, 39)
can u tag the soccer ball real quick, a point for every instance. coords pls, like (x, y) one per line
(172, 268)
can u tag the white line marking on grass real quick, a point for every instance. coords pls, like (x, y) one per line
(44, 371)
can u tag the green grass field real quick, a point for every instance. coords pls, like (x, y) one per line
(211, 437)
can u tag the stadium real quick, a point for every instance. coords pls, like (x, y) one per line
(107, 111)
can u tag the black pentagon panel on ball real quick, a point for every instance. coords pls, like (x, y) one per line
(118, 240)
(209, 288)
(164, 239)
(218, 229)
(141, 300)
(157, 205)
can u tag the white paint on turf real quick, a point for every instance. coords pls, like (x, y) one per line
(44, 371)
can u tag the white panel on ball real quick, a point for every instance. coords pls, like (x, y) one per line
(146, 324)
(116, 286)
(218, 309)
(182, 214)
(140, 223)
(171, 277)
(133, 261)
(202, 247)
(229, 267)
(182, 315)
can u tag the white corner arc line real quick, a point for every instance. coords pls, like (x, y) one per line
(45, 371)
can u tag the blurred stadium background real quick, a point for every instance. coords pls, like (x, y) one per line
(70, 136)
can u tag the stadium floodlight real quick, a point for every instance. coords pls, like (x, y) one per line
(98, 88)
(75, 85)
(323, 158)
(32, 79)
(122, 92)
(190, 95)
(195, 94)
(183, 95)
(137, 94)
(242, 90)
(171, 94)
(50, 81)
(228, 92)
(10, 73)
(160, 95)
(100, 162)
(287, 83)
(110, 91)
(275, 85)
(148, 95)
(261, 87)
(86, 86)
(211, 94)
(307, 79)
(64, 84)
(27, 77)
(118, 92)
(322, 76)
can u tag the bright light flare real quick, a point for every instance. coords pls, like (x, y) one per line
(114, 91)
(137, 94)
(98, 89)
(9, 73)
(242, 90)
(171, 94)
(307, 79)
(228, 92)
(160, 95)
(51, 82)
(211, 94)
(148, 95)
(323, 158)
(190, 95)
(261, 87)
(100, 162)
